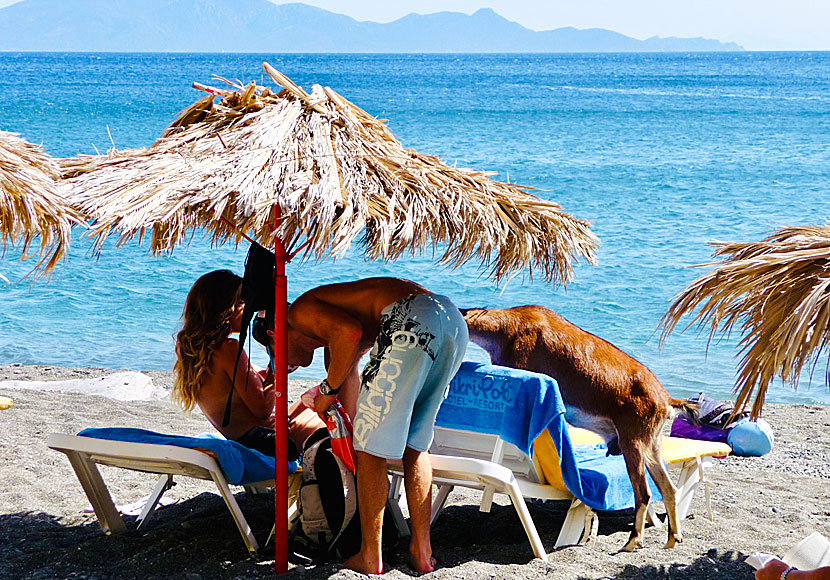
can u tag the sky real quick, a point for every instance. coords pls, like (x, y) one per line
(754, 24)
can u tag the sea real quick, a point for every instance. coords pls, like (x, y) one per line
(662, 153)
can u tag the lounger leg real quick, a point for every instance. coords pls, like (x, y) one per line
(580, 525)
(165, 482)
(439, 500)
(524, 515)
(651, 516)
(486, 503)
(706, 485)
(690, 477)
(393, 504)
(97, 492)
(295, 481)
(238, 517)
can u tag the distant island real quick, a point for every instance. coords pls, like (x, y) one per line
(261, 26)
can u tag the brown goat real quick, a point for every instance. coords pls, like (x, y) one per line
(604, 390)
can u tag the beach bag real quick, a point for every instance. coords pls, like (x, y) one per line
(746, 438)
(713, 420)
(751, 438)
(329, 524)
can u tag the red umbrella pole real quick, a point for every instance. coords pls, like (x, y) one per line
(281, 408)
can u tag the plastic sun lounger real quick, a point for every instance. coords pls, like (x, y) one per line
(689, 457)
(485, 462)
(470, 458)
(488, 463)
(85, 453)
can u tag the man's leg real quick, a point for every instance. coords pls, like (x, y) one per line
(418, 484)
(372, 488)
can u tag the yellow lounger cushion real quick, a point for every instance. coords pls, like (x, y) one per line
(675, 450)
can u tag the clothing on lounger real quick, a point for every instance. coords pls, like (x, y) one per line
(262, 439)
(419, 348)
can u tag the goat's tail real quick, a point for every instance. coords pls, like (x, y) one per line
(687, 409)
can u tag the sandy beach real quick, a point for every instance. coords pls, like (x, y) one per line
(761, 504)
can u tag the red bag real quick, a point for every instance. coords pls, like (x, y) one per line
(339, 425)
(340, 429)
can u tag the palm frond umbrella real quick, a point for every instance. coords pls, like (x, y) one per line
(777, 291)
(334, 172)
(30, 205)
(312, 173)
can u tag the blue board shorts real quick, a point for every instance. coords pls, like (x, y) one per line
(420, 346)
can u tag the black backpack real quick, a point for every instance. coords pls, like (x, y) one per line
(328, 525)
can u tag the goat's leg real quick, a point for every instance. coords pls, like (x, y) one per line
(635, 464)
(654, 464)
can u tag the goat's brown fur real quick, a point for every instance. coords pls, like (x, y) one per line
(604, 389)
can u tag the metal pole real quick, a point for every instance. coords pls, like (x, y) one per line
(280, 404)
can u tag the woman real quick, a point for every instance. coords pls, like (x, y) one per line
(206, 356)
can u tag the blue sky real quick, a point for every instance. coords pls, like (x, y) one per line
(754, 24)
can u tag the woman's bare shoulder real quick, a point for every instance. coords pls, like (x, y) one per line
(226, 352)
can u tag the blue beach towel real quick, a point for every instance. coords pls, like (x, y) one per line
(240, 464)
(518, 405)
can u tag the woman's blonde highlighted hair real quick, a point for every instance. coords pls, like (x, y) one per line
(206, 324)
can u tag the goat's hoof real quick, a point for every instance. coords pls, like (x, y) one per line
(632, 545)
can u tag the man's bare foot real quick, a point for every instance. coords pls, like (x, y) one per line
(359, 564)
(421, 563)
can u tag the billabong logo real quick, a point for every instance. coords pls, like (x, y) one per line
(374, 406)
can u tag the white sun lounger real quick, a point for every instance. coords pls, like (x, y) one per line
(85, 453)
(461, 458)
(484, 461)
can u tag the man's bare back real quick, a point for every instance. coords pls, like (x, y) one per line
(362, 299)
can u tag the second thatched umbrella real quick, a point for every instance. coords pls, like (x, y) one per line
(312, 172)
(30, 205)
(778, 292)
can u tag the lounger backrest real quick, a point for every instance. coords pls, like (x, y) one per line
(461, 443)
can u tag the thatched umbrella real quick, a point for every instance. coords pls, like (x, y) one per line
(778, 292)
(312, 172)
(30, 205)
(334, 172)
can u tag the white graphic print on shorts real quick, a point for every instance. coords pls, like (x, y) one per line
(391, 322)
(373, 406)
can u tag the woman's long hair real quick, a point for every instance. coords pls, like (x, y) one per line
(207, 315)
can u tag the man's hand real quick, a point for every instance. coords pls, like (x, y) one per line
(322, 403)
(772, 571)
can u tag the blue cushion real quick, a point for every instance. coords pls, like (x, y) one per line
(240, 464)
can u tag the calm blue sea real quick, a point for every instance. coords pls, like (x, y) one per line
(662, 152)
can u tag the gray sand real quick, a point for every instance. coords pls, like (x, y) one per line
(761, 504)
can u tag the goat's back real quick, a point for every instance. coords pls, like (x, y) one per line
(592, 373)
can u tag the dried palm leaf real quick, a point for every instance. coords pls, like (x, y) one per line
(778, 292)
(30, 205)
(333, 172)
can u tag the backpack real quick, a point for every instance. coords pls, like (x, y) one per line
(328, 525)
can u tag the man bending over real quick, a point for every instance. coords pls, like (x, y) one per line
(418, 340)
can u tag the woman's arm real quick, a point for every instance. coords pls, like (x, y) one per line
(257, 393)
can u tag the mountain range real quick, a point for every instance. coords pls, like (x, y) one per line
(262, 26)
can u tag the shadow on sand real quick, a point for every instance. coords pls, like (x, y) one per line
(196, 539)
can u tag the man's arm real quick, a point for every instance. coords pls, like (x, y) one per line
(340, 332)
